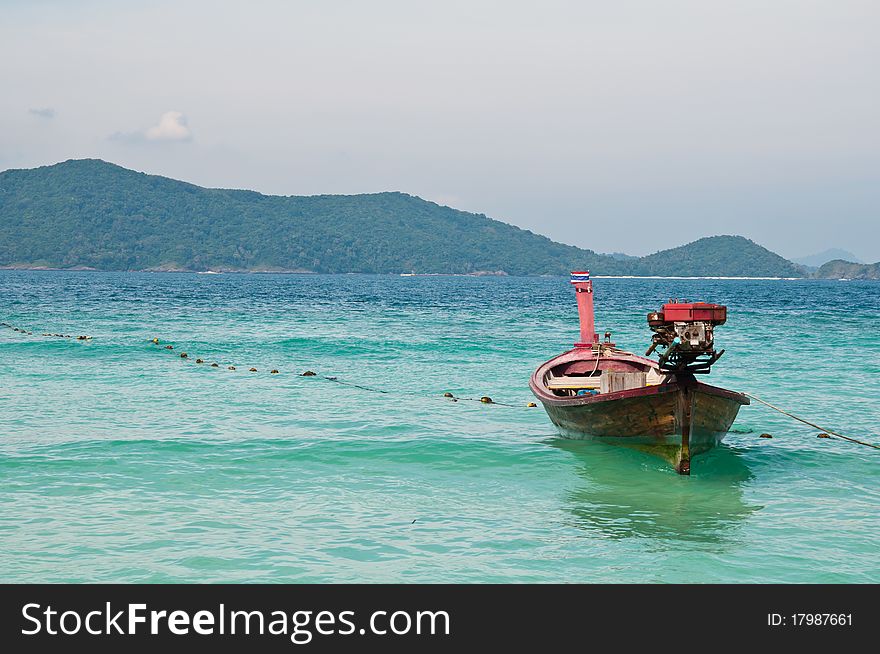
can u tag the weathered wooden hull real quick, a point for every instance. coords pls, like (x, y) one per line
(675, 420)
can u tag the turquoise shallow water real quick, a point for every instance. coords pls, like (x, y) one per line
(121, 462)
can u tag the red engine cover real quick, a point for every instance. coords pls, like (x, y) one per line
(694, 311)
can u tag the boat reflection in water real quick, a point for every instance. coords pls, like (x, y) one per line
(707, 508)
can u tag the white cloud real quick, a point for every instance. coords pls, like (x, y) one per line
(172, 127)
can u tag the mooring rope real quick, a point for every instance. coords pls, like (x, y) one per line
(811, 424)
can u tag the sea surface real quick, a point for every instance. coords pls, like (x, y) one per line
(122, 462)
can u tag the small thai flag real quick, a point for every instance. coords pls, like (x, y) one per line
(580, 277)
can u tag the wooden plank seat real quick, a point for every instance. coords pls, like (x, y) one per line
(573, 383)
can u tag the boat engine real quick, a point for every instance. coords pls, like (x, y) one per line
(684, 330)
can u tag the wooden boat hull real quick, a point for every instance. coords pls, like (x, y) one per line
(675, 420)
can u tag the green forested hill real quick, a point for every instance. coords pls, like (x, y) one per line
(93, 214)
(727, 256)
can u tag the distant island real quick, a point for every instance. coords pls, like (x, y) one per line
(90, 214)
(840, 269)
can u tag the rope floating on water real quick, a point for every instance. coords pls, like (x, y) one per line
(811, 424)
(485, 399)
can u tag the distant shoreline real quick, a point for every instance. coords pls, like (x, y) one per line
(311, 272)
(165, 270)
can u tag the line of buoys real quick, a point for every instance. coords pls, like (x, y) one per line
(28, 332)
(185, 355)
(484, 399)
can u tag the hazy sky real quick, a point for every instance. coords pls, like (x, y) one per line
(619, 125)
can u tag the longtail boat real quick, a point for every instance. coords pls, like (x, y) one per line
(596, 390)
